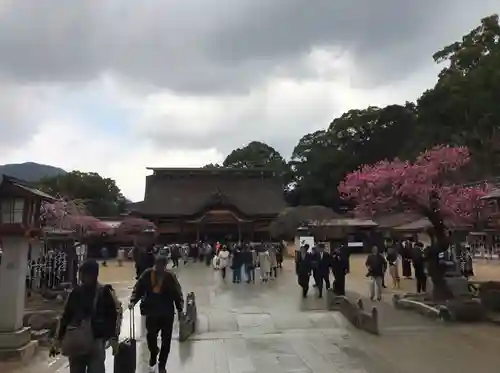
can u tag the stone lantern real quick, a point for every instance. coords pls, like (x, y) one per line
(20, 206)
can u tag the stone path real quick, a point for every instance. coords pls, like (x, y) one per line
(261, 328)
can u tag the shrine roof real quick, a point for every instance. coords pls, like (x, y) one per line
(25, 187)
(185, 194)
(246, 172)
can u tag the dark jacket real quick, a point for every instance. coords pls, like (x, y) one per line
(105, 319)
(303, 265)
(323, 264)
(247, 258)
(339, 266)
(238, 257)
(146, 260)
(162, 303)
(376, 265)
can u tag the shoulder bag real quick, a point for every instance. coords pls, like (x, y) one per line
(79, 339)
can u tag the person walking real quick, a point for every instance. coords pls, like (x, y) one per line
(406, 254)
(376, 264)
(273, 262)
(105, 256)
(209, 254)
(175, 254)
(162, 296)
(419, 268)
(146, 260)
(265, 264)
(223, 258)
(279, 255)
(120, 256)
(303, 269)
(91, 321)
(323, 262)
(392, 260)
(236, 264)
(339, 270)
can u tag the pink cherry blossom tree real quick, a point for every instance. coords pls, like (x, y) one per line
(133, 226)
(427, 186)
(71, 215)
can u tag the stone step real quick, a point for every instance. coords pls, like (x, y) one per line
(42, 336)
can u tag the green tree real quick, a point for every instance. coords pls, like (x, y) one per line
(254, 155)
(212, 165)
(462, 109)
(323, 158)
(101, 196)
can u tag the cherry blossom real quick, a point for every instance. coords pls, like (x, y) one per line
(412, 186)
(132, 225)
(71, 215)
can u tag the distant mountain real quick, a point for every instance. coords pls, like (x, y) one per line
(30, 171)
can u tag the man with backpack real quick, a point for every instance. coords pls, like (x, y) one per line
(161, 296)
(91, 320)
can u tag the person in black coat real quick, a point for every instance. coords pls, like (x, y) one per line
(162, 296)
(279, 255)
(303, 269)
(146, 259)
(323, 263)
(406, 252)
(418, 260)
(237, 264)
(339, 269)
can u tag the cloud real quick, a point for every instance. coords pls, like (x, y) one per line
(198, 46)
(117, 86)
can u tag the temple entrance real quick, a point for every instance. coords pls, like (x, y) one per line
(219, 225)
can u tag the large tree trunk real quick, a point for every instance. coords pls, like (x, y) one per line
(441, 290)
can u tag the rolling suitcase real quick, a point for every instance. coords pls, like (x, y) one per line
(126, 356)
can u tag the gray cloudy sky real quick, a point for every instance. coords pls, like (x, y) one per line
(119, 85)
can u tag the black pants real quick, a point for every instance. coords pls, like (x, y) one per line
(274, 272)
(138, 271)
(339, 284)
(303, 281)
(162, 325)
(421, 283)
(223, 272)
(406, 267)
(175, 261)
(320, 279)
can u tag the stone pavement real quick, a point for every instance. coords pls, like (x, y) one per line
(261, 328)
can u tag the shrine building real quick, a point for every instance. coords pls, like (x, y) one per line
(216, 204)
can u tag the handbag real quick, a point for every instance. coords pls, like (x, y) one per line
(79, 339)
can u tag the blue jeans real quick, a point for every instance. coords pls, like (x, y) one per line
(237, 274)
(250, 272)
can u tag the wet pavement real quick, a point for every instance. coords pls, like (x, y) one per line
(269, 328)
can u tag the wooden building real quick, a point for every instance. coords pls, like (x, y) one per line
(215, 204)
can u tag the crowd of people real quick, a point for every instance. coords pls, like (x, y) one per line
(414, 259)
(318, 263)
(246, 259)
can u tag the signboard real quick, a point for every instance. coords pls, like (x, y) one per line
(306, 240)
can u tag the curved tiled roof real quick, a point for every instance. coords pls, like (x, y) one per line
(175, 196)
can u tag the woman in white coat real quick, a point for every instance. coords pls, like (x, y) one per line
(265, 265)
(223, 259)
